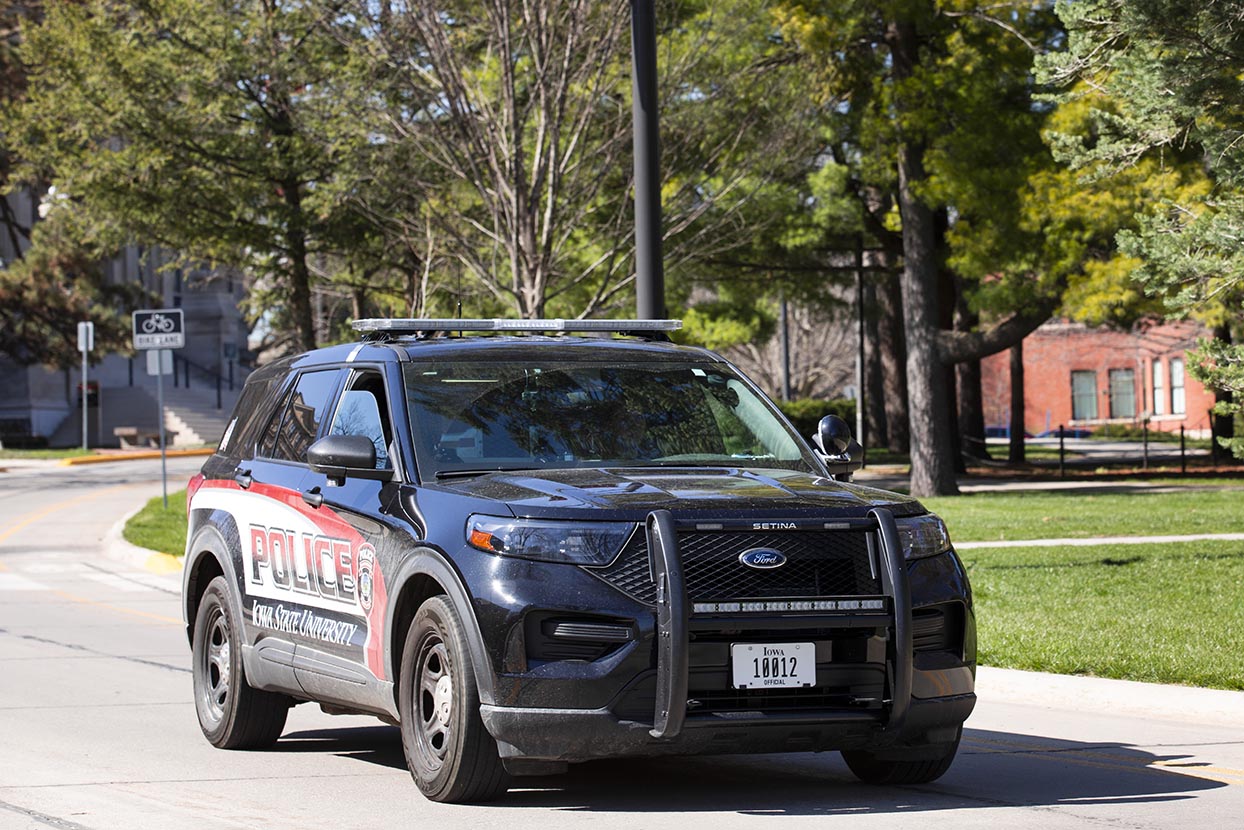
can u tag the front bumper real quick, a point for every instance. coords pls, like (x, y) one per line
(878, 693)
(585, 734)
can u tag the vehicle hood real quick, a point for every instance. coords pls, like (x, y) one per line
(631, 493)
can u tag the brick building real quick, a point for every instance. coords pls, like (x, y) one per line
(1085, 378)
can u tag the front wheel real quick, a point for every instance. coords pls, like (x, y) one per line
(232, 714)
(450, 754)
(874, 770)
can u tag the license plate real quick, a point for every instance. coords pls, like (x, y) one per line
(773, 665)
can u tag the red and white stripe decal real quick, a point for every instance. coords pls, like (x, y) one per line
(292, 552)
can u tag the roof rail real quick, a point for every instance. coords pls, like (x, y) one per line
(380, 328)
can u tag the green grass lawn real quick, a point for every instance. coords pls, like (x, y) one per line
(989, 517)
(158, 529)
(1157, 613)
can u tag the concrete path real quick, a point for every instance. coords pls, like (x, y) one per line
(1095, 541)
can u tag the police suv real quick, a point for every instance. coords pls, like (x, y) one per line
(531, 543)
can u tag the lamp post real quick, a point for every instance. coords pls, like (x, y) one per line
(649, 271)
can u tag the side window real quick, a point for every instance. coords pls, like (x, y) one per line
(300, 417)
(244, 416)
(267, 444)
(363, 411)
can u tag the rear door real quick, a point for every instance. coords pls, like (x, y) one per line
(279, 589)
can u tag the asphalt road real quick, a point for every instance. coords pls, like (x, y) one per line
(97, 728)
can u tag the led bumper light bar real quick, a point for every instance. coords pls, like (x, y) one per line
(780, 606)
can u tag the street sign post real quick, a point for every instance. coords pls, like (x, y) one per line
(159, 362)
(86, 342)
(160, 329)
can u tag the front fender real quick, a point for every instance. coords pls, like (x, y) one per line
(430, 563)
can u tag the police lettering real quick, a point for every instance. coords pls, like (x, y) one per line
(305, 563)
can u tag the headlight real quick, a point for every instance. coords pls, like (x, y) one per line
(580, 543)
(923, 536)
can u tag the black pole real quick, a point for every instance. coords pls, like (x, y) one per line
(1062, 452)
(1183, 459)
(1146, 445)
(649, 273)
(784, 338)
(1213, 441)
(859, 342)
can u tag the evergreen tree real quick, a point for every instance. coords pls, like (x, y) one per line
(1162, 78)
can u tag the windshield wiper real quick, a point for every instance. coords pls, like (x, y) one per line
(482, 472)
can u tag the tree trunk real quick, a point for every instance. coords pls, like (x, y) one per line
(1015, 454)
(299, 273)
(892, 353)
(971, 410)
(875, 423)
(932, 461)
(970, 403)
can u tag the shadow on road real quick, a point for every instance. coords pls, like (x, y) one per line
(993, 769)
(380, 745)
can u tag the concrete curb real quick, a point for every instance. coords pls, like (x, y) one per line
(1111, 697)
(131, 456)
(116, 547)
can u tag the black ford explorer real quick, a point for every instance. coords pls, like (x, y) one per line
(533, 548)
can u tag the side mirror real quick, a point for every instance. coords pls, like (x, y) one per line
(841, 453)
(833, 436)
(338, 456)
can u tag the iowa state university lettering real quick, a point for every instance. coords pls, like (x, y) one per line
(304, 563)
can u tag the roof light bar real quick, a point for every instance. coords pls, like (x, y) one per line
(394, 325)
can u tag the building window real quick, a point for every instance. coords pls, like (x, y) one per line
(1159, 388)
(1083, 396)
(1122, 393)
(1177, 386)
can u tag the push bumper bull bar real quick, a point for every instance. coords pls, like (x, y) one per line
(673, 623)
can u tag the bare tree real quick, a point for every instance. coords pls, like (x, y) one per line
(507, 127)
(822, 356)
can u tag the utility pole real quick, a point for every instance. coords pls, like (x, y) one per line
(649, 270)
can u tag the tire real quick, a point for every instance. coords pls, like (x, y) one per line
(873, 770)
(450, 754)
(232, 714)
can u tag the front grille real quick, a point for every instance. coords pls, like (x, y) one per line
(819, 563)
(631, 572)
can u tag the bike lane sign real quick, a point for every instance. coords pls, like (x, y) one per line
(159, 328)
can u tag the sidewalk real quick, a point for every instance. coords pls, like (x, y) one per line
(1111, 697)
(1095, 541)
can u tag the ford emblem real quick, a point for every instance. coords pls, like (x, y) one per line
(762, 558)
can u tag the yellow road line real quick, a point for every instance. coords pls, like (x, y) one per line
(48, 511)
(131, 611)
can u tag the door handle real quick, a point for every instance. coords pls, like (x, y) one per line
(313, 497)
(243, 478)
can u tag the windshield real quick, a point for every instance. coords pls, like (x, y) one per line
(469, 416)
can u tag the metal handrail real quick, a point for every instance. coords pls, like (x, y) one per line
(181, 375)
